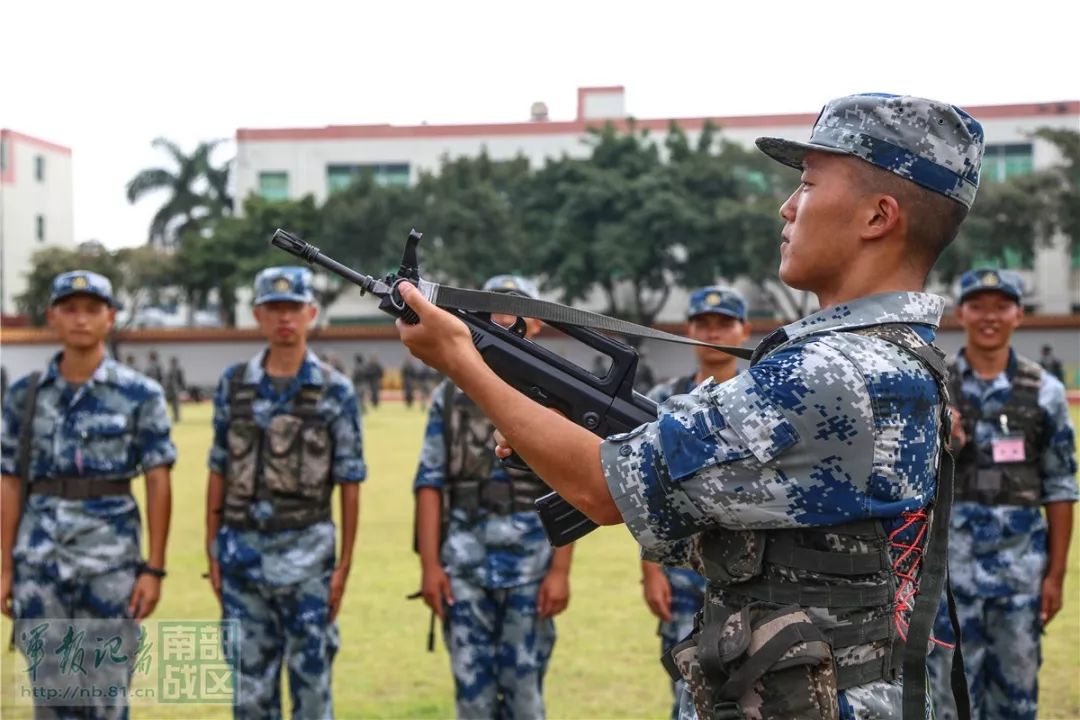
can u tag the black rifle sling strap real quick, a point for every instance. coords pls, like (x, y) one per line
(23, 462)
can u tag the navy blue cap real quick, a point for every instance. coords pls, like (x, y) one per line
(81, 282)
(289, 283)
(717, 300)
(989, 279)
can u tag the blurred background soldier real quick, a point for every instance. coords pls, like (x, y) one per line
(286, 430)
(1014, 448)
(494, 579)
(408, 382)
(74, 436)
(153, 368)
(373, 375)
(359, 380)
(174, 386)
(718, 316)
(1051, 364)
(130, 362)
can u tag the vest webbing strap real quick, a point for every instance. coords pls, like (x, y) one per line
(758, 663)
(841, 596)
(783, 550)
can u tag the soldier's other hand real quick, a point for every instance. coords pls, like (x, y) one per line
(1051, 599)
(144, 597)
(554, 594)
(435, 588)
(502, 448)
(441, 340)
(959, 438)
(7, 597)
(215, 578)
(337, 589)
(657, 590)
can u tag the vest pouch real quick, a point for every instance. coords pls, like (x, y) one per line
(317, 456)
(240, 471)
(282, 455)
(759, 663)
(732, 556)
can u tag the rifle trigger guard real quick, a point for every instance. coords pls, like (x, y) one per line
(401, 309)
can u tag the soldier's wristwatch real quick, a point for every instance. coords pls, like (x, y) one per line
(145, 569)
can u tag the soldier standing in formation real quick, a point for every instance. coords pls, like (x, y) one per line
(488, 570)
(153, 368)
(408, 382)
(286, 431)
(89, 425)
(373, 375)
(675, 594)
(1015, 458)
(801, 486)
(359, 380)
(174, 386)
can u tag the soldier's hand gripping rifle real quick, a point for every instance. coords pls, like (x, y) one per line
(606, 404)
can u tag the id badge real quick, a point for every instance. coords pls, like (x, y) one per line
(1009, 449)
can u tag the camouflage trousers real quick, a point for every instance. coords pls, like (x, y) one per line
(499, 651)
(277, 623)
(671, 633)
(38, 593)
(1002, 655)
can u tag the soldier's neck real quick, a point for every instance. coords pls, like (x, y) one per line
(719, 372)
(77, 365)
(987, 363)
(284, 360)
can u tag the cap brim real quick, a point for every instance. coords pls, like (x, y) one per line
(283, 297)
(716, 311)
(70, 293)
(1000, 291)
(791, 152)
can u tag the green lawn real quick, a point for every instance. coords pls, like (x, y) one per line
(605, 663)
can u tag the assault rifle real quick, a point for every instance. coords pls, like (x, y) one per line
(605, 405)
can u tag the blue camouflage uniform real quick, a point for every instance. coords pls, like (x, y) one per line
(78, 558)
(998, 552)
(687, 585)
(277, 583)
(499, 647)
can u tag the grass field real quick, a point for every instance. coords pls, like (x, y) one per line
(605, 662)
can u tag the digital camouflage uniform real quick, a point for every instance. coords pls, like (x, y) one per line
(78, 558)
(688, 586)
(499, 646)
(277, 582)
(998, 551)
(827, 427)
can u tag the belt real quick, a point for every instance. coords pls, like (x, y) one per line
(79, 488)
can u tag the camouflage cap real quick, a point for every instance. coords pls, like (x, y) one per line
(990, 280)
(81, 282)
(716, 300)
(933, 144)
(512, 284)
(288, 283)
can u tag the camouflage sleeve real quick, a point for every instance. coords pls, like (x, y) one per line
(349, 463)
(432, 469)
(1058, 461)
(154, 446)
(219, 449)
(762, 450)
(12, 420)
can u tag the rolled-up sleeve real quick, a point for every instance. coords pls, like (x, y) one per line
(155, 446)
(349, 465)
(431, 472)
(762, 450)
(1058, 462)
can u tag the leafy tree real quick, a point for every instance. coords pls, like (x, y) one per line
(47, 263)
(197, 191)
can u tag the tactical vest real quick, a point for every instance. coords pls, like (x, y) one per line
(287, 465)
(777, 635)
(978, 478)
(470, 458)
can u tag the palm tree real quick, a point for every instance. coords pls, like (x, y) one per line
(197, 191)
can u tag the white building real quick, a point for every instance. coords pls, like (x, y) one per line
(293, 162)
(35, 206)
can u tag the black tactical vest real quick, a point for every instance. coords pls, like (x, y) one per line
(470, 458)
(792, 617)
(978, 478)
(287, 465)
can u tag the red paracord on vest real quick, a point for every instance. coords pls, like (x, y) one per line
(906, 567)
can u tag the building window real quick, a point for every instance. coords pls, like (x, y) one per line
(39, 168)
(274, 185)
(3, 155)
(1001, 162)
(339, 177)
(39, 228)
